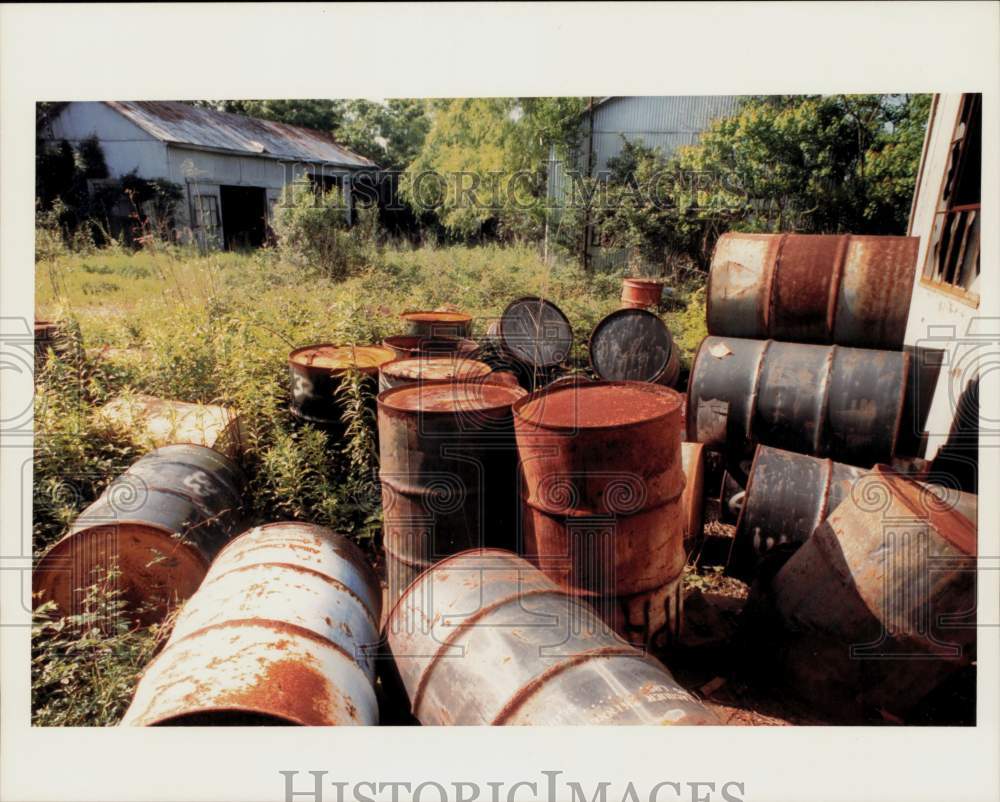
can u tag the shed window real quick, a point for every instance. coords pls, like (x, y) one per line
(206, 209)
(953, 253)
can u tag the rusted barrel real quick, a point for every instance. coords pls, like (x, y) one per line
(485, 610)
(535, 333)
(602, 484)
(641, 293)
(431, 369)
(818, 288)
(879, 604)
(842, 403)
(406, 346)
(788, 495)
(448, 472)
(693, 497)
(160, 523)
(634, 345)
(436, 324)
(316, 372)
(283, 630)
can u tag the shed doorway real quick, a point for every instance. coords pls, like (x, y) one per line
(244, 217)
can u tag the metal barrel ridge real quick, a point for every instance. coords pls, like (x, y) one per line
(408, 346)
(535, 333)
(315, 372)
(283, 630)
(788, 495)
(878, 606)
(427, 369)
(842, 403)
(158, 526)
(634, 345)
(817, 288)
(486, 638)
(641, 293)
(437, 324)
(602, 485)
(448, 473)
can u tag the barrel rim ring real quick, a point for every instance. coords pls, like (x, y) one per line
(671, 351)
(367, 370)
(382, 400)
(542, 302)
(435, 316)
(649, 387)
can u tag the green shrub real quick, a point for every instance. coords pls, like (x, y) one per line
(313, 232)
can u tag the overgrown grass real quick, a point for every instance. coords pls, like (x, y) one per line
(218, 328)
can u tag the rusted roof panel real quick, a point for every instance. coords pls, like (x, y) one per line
(194, 126)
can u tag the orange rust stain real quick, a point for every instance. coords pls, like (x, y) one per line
(287, 688)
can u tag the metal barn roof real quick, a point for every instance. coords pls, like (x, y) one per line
(198, 127)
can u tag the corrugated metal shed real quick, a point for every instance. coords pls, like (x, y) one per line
(197, 127)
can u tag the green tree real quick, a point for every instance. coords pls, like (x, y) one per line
(839, 163)
(391, 133)
(482, 166)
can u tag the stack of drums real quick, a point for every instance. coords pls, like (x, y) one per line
(448, 472)
(316, 372)
(153, 531)
(284, 630)
(602, 485)
(634, 345)
(483, 610)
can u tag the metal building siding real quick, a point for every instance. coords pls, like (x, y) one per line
(664, 122)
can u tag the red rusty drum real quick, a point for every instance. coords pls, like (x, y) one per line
(817, 288)
(878, 606)
(641, 293)
(152, 533)
(436, 324)
(407, 345)
(284, 630)
(602, 484)
(485, 638)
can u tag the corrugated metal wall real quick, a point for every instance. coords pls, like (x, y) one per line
(664, 122)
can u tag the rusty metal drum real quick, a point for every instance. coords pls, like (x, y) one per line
(816, 288)
(284, 630)
(641, 293)
(485, 609)
(426, 369)
(438, 323)
(486, 638)
(634, 345)
(878, 606)
(842, 403)
(535, 333)
(316, 372)
(157, 528)
(788, 495)
(448, 473)
(406, 346)
(602, 508)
